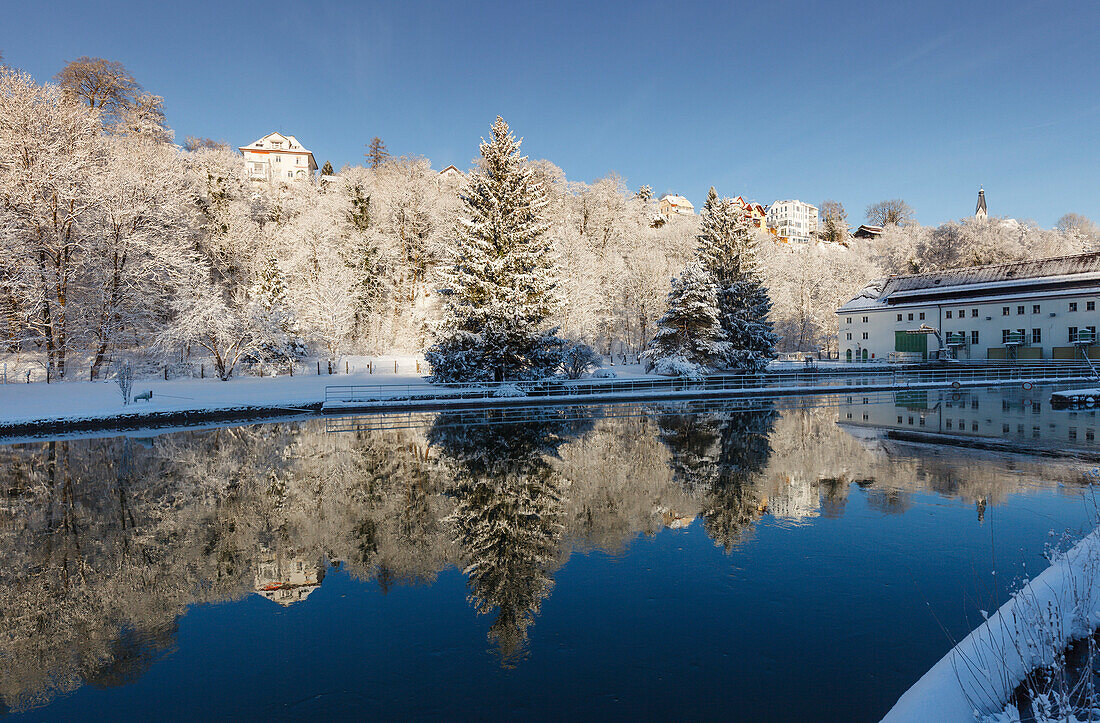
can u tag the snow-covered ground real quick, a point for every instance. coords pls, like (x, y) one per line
(22, 403)
(976, 678)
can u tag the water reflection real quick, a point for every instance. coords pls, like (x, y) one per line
(108, 541)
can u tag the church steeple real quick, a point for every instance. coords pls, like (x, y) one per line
(980, 211)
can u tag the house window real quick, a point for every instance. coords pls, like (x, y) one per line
(899, 420)
(864, 335)
(910, 317)
(278, 159)
(1005, 310)
(974, 313)
(865, 320)
(948, 423)
(1036, 336)
(947, 313)
(1090, 306)
(849, 336)
(974, 337)
(1073, 306)
(1019, 309)
(962, 313)
(899, 317)
(1034, 308)
(1090, 435)
(1073, 432)
(1073, 335)
(290, 174)
(922, 316)
(849, 320)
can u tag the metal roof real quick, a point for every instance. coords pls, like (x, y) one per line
(879, 292)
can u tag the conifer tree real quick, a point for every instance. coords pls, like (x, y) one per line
(377, 153)
(326, 170)
(500, 292)
(277, 323)
(727, 250)
(689, 338)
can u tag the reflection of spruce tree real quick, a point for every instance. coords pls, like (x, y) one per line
(735, 503)
(508, 515)
(693, 444)
(718, 455)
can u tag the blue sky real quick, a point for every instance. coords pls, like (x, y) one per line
(855, 101)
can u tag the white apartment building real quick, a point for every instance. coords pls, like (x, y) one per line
(793, 220)
(278, 157)
(1025, 310)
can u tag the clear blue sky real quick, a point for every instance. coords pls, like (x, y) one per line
(856, 101)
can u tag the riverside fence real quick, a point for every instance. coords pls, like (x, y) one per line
(367, 396)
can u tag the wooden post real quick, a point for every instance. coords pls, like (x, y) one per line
(318, 367)
(47, 375)
(165, 372)
(394, 366)
(202, 371)
(346, 368)
(91, 373)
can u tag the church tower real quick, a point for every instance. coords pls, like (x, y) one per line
(980, 211)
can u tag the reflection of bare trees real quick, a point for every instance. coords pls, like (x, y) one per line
(106, 541)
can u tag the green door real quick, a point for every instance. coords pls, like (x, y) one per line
(911, 343)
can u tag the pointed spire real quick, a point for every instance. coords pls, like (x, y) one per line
(980, 211)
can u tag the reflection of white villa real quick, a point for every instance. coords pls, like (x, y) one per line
(798, 500)
(674, 520)
(287, 579)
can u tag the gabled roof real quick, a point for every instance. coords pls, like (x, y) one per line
(980, 208)
(990, 279)
(676, 200)
(452, 167)
(264, 143)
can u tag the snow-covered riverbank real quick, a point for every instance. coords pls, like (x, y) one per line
(979, 674)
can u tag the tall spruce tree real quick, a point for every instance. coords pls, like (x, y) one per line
(500, 291)
(727, 250)
(689, 338)
(327, 170)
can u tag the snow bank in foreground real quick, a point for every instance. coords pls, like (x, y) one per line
(979, 674)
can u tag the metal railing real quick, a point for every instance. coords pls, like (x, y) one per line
(790, 381)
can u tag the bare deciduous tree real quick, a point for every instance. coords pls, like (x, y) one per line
(105, 85)
(894, 212)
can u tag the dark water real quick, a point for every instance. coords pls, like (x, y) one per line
(809, 560)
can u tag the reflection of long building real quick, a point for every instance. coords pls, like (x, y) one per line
(287, 579)
(1019, 417)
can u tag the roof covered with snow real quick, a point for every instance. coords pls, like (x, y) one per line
(996, 278)
(677, 200)
(291, 144)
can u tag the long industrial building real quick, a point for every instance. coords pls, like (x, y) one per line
(1026, 310)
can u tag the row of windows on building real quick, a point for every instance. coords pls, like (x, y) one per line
(1036, 430)
(1005, 311)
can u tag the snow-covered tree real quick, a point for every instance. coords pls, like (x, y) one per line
(269, 295)
(727, 251)
(51, 152)
(500, 293)
(689, 338)
(226, 329)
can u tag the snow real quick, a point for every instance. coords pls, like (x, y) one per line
(977, 676)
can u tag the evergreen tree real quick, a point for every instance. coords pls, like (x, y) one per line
(645, 193)
(727, 250)
(377, 153)
(283, 339)
(501, 290)
(326, 170)
(689, 337)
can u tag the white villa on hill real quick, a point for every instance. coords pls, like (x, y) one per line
(673, 205)
(1025, 310)
(277, 156)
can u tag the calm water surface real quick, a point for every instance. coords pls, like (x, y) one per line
(805, 558)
